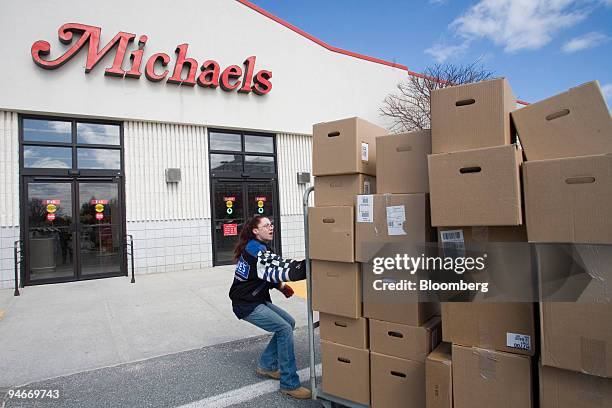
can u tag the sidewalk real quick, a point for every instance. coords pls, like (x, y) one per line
(60, 329)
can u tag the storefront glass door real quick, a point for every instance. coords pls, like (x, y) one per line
(234, 202)
(61, 246)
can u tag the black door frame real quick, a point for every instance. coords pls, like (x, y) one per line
(244, 185)
(69, 175)
(243, 179)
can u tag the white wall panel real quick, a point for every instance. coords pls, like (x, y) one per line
(9, 169)
(294, 155)
(151, 148)
(9, 194)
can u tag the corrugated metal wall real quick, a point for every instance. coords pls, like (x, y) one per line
(294, 155)
(9, 169)
(150, 148)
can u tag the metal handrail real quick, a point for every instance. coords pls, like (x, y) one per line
(130, 245)
(311, 346)
(18, 257)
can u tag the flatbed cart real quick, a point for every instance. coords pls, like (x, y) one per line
(328, 401)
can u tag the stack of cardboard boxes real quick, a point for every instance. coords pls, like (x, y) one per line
(348, 225)
(403, 331)
(567, 140)
(475, 186)
(344, 165)
(374, 190)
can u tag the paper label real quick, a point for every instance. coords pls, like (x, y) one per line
(366, 187)
(518, 341)
(365, 151)
(453, 243)
(396, 217)
(365, 208)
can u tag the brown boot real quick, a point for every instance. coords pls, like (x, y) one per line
(300, 393)
(275, 375)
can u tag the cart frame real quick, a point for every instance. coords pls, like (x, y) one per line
(328, 401)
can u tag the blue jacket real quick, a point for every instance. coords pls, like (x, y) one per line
(258, 270)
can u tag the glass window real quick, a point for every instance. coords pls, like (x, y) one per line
(259, 144)
(99, 159)
(225, 163)
(259, 164)
(42, 130)
(94, 133)
(225, 141)
(47, 157)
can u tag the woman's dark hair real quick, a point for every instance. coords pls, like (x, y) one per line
(246, 234)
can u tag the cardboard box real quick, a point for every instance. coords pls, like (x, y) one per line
(569, 200)
(577, 336)
(403, 341)
(383, 219)
(574, 272)
(345, 146)
(568, 389)
(344, 330)
(401, 307)
(508, 267)
(397, 382)
(341, 190)
(336, 288)
(439, 377)
(471, 116)
(573, 123)
(508, 327)
(476, 187)
(485, 379)
(346, 372)
(331, 233)
(401, 166)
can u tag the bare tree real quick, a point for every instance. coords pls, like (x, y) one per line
(408, 107)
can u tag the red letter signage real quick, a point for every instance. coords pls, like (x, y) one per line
(230, 79)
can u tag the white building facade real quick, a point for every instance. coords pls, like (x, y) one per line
(170, 123)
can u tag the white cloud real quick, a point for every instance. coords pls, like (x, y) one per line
(520, 24)
(441, 52)
(442, 1)
(584, 42)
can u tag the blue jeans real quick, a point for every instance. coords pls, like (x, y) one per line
(279, 354)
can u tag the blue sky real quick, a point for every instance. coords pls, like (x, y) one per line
(542, 46)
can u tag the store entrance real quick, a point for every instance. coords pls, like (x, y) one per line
(234, 203)
(243, 184)
(73, 229)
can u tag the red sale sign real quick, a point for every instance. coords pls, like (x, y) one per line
(230, 230)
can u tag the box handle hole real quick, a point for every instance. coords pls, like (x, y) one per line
(465, 102)
(344, 360)
(403, 148)
(340, 324)
(395, 334)
(561, 113)
(333, 134)
(398, 374)
(473, 169)
(580, 180)
(328, 220)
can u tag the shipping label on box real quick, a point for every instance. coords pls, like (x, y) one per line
(365, 208)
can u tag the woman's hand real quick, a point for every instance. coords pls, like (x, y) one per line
(286, 290)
